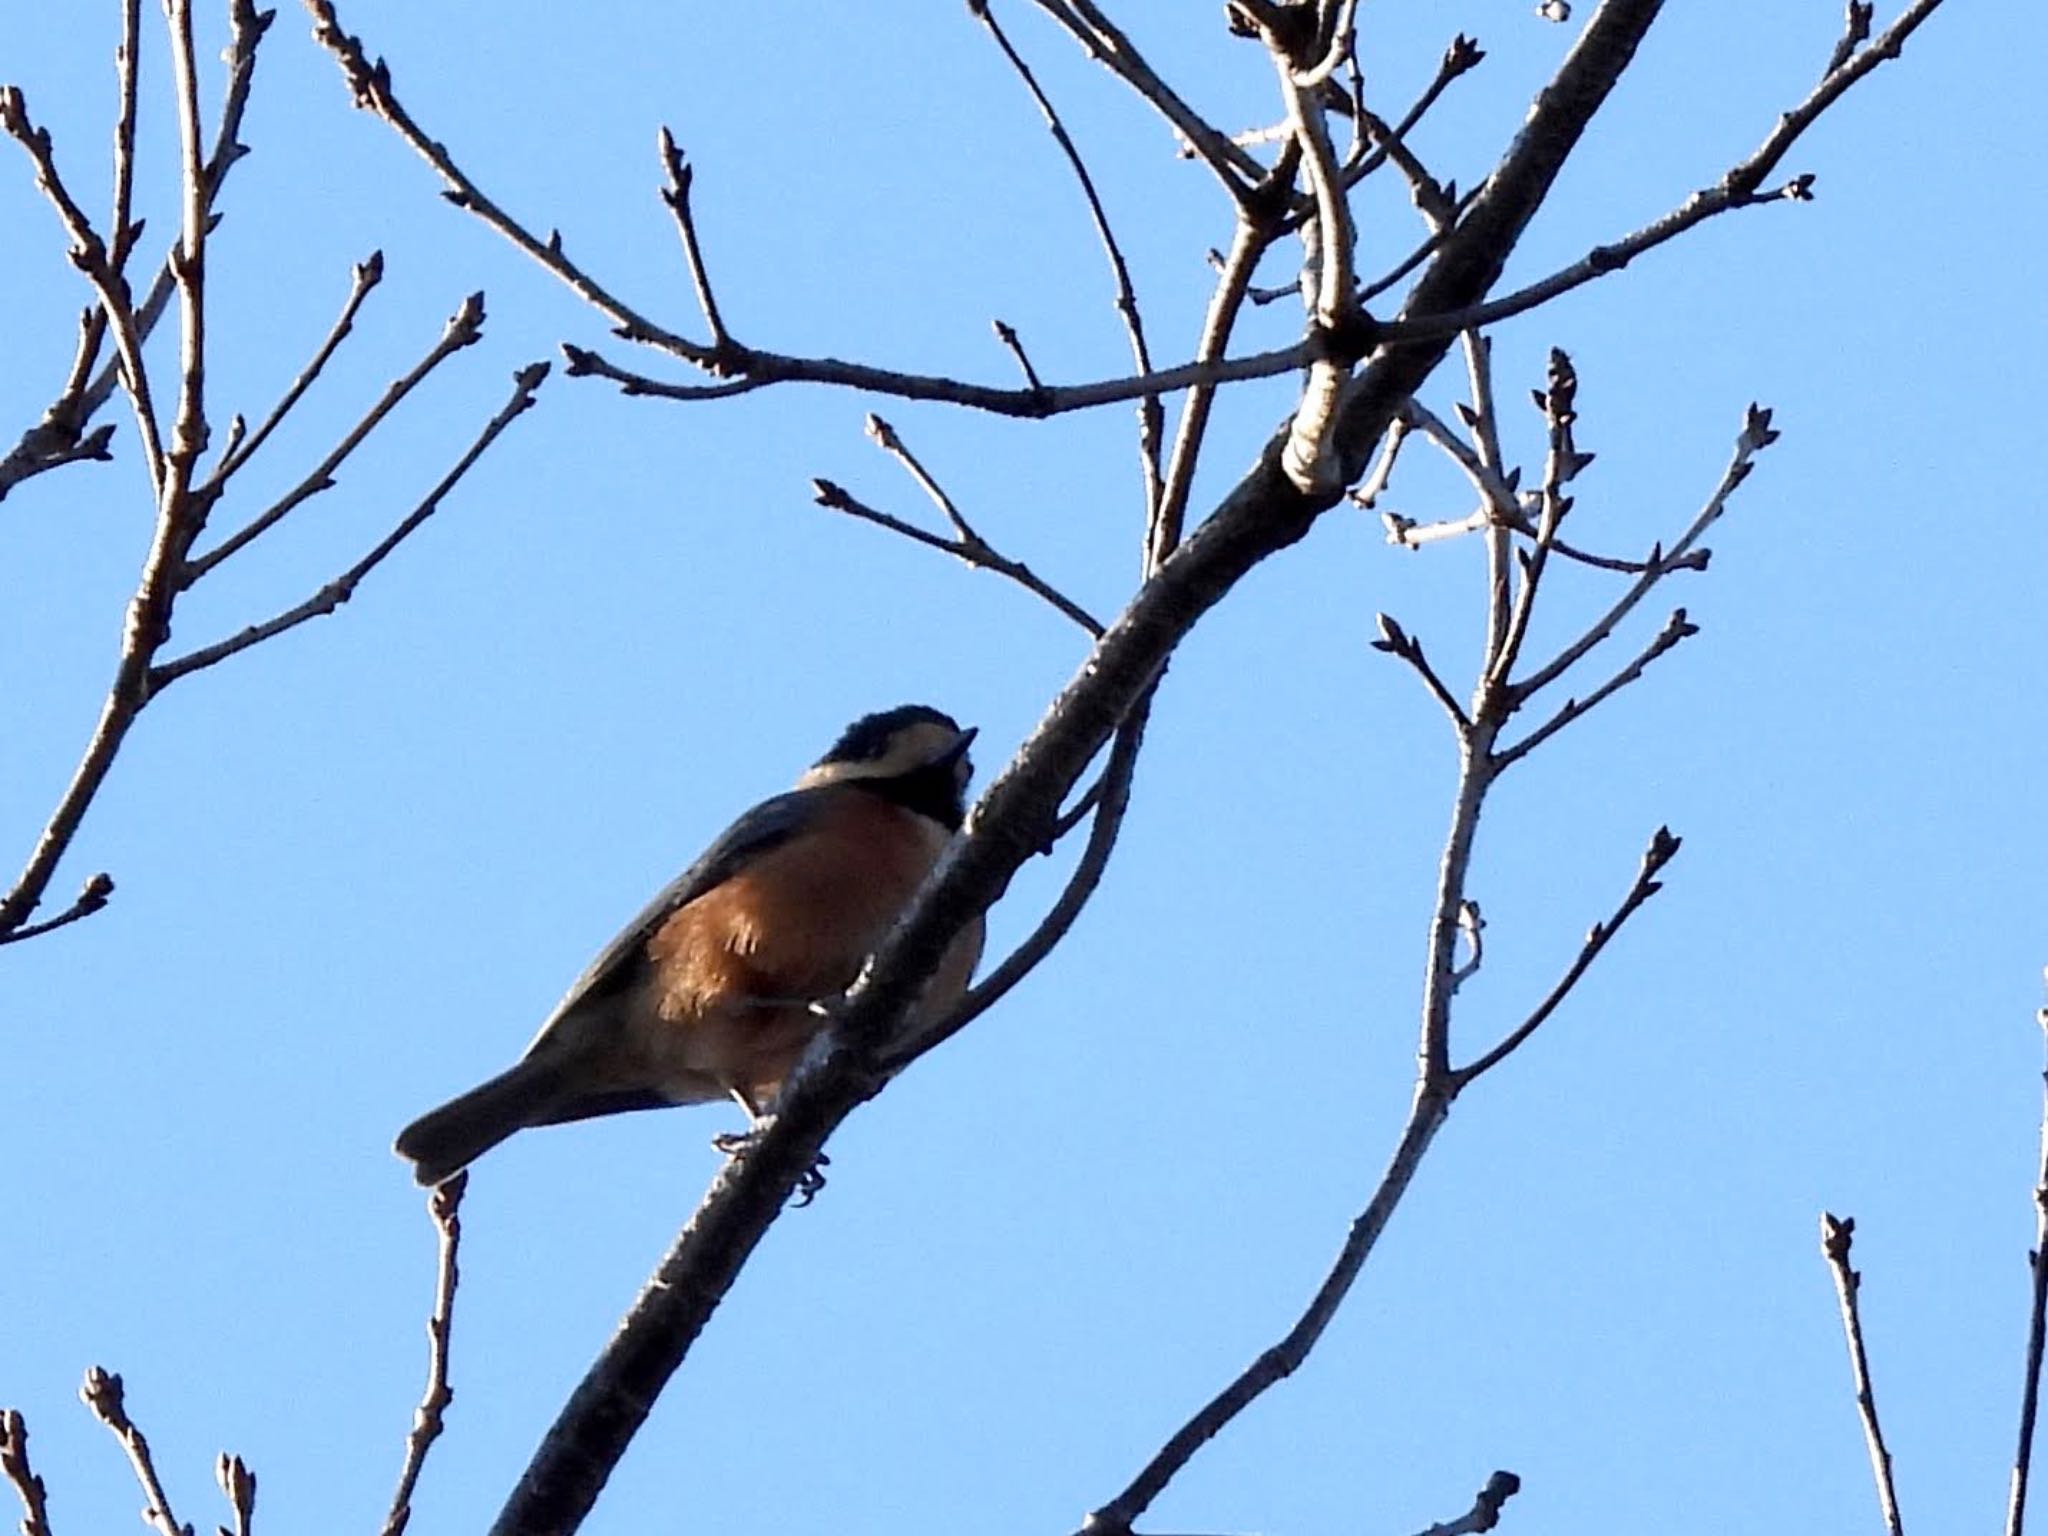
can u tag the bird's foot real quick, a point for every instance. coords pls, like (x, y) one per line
(733, 1143)
(812, 1181)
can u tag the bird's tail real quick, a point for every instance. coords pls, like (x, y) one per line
(444, 1141)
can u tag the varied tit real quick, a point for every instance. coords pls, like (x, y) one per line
(713, 990)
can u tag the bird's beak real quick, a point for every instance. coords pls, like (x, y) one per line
(959, 748)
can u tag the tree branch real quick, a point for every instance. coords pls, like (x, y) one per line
(363, 277)
(238, 1486)
(2037, 1325)
(464, 328)
(1150, 414)
(61, 436)
(1484, 1514)
(1663, 848)
(965, 545)
(14, 1466)
(338, 591)
(444, 1204)
(104, 1394)
(1836, 1236)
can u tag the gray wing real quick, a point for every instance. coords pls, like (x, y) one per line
(767, 825)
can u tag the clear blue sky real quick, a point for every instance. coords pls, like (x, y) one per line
(358, 865)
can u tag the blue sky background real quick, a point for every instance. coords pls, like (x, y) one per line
(356, 866)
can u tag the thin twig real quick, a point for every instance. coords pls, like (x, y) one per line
(106, 1397)
(1250, 240)
(1007, 335)
(1425, 1118)
(1676, 628)
(2037, 1330)
(677, 196)
(1461, 56)
(1499, 501)
(60, 437)
(973, 550)
(89, 254)
(1396, 641)
(1855, 32)
(1739, 188)
(1484, 425)
(238, 1485)
(1037, 403)
(1150, 413)
(14, 1466)
(1756, 435)
(1663, 848)
(1836, 1236)
(363, 277)
(338, 591)
(464, 328)
(91, 897)
(1107, 45)
(445, 1206)
(1562, 462)
(1374, 486)
(188, 268)
(1484, 1514)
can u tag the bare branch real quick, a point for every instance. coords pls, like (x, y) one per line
(1374, 486)
(1836, 1236)
(1499, 501)
(1249, 242)
(1757, 434)
(91, 897)
(1676, 628)
(969, 547)
(188, 269)
(370, 85)
(1425, 1117)
(2037, 1330)
(60, 437)
(1461, 57)
(1037, 403)
(1561, 464)
(1855, 32)
(363, 277)
(1484, 1514)
(445, 1206)
(1739, 188)
(464, 328)
(105, 1396)
(89, 254)
(1007, 335)
(1150, 413)
(1107, 45)
(677, 195)
(238, 1485)
(338, 591)
(1396, 641)
(35, 1513)
(1663, 848)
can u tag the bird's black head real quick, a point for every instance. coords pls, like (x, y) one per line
(913, 755)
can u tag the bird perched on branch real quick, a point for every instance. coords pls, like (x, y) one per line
(718, 986)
